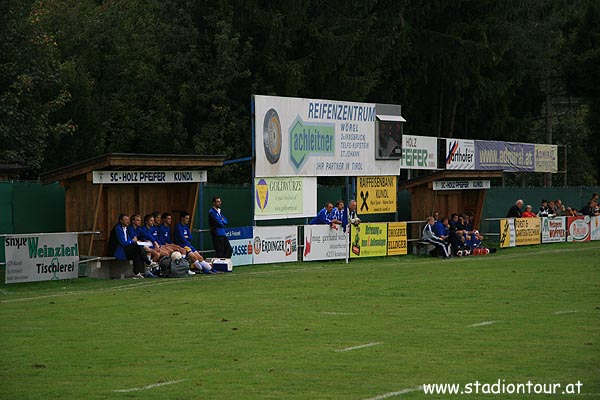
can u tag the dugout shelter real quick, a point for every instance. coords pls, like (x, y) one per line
(97, 190)
(427, 194)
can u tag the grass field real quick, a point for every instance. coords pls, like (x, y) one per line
(371, 329)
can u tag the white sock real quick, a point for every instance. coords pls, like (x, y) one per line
(206, 266)
(198, 265)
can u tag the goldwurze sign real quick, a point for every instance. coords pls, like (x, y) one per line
(41, 257)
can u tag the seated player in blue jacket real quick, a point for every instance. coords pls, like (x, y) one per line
(182, 235)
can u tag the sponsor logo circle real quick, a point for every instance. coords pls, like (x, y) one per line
(257, 245)
(272, 136)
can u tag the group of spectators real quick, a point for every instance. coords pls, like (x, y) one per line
(451, 235)
(553, 208)
(338, 215)
(145, 244)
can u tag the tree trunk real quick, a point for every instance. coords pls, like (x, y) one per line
(548, 175)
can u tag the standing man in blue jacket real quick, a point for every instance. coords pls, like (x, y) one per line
(217, 222)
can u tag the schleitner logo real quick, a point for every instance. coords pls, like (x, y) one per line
(308, 139)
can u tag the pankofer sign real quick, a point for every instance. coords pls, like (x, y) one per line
(41, 257)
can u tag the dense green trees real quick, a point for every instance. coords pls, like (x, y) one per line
(82, 78)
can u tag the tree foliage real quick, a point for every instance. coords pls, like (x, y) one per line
(82, 78)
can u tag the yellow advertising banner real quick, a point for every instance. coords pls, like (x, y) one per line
(396, 239)
(377, 194)
(368, 240)
(507, 233)
(527, 231)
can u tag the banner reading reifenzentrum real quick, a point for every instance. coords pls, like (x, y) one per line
(308, 137)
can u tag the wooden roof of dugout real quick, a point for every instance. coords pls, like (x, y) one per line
(133, 161)
(448, 174)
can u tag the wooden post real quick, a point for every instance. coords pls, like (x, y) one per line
(95, 218)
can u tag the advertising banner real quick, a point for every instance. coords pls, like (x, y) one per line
(148, 177)
(461, 185)
(546, 158)
(505, 156)
(307, 137)
(595, 228)
(460, 154)
(321, 242)
(241, 240)
(273, 244)
(418, 152)
(507, 232)
(377, 194)
(368, 240)
(554, 229)
(397, 242)
(279, 198)
(578, 229)
(527, 231)
(41, 257)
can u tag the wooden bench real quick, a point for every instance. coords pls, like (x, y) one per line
(421, 248)
(110, 268)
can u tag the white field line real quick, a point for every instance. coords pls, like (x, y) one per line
(564, 312)
(484, 323)
(362, 346)
(148, 387)
(321, 269)
(398, 393)
(336, 313)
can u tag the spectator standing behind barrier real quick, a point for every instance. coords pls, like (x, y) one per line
(515, 210)
(430, 237)
(124, 247)
(352, 215)
(326, 216)
(217, 222)
(544, 210)
(528, 213)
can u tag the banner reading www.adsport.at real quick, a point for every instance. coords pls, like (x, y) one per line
(41, 257)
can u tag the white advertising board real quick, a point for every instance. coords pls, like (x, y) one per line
(461, 185)
(321, 242)
(419, 152)
(460, 154)
(554, 229)
(148, 176)
(307, 137)
(41, 257)
(241, 240)
(595, 228)
(273, 244)
(286, 197)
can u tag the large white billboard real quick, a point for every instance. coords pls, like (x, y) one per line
(307, 137)
(273, 244)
